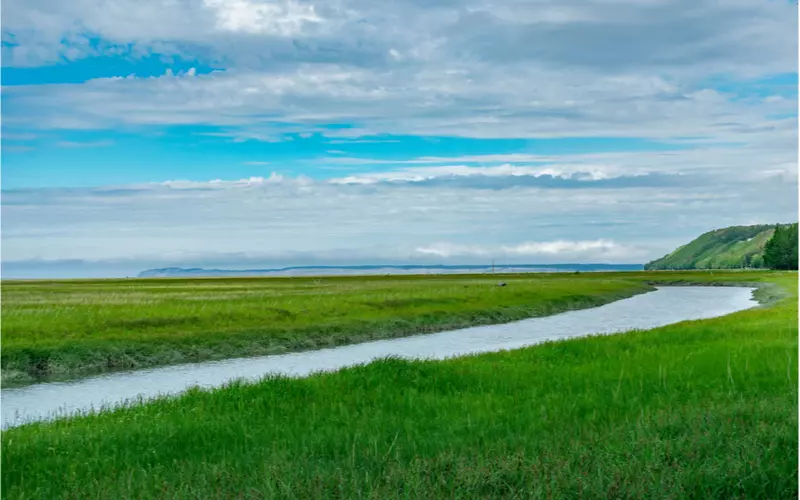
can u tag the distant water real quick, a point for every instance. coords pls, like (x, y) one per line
(664, 306)
(388, 269)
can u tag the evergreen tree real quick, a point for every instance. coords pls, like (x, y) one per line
(780, 252)
(772, 249)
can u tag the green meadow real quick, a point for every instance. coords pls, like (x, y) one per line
(699, 409)
(71, 328)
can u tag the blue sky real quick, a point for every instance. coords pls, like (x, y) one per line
(97, 158)
(263, 132)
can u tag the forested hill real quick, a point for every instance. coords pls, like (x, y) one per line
(728, 248)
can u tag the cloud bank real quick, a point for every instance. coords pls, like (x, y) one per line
(276, 221)
(709, 87)
(458, 68)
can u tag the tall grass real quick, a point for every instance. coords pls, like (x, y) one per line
(68, 328)
(701, 409)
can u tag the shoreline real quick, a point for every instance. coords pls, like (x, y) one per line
(77, 361)
(152, 355)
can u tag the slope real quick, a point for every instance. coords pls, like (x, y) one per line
(729, 248)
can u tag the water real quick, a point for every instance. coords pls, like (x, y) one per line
(664, 306)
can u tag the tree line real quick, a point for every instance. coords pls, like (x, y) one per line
(780, 252)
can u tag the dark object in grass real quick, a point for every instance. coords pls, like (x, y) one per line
(502, 283)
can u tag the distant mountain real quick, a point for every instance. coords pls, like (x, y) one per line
(175, 272)
(728, 248)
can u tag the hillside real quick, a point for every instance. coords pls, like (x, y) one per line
(728, 248)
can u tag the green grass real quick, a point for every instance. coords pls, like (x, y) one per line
(71, 328)
(729, 248)
(701, 409)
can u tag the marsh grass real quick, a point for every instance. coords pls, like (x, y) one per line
(699, 409)
(72, 328)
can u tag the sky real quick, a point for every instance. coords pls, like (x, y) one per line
(262, 133)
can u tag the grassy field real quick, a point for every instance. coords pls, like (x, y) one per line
(702, 409)
(69, 328)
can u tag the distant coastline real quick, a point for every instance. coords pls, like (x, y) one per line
(387, 269)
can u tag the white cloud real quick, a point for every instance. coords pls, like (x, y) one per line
(600, 250)
(278, 219)
(485, 102)
(85, 144)
(768, 154)
(417, 174)
(274, 18)
(362, 141)
(274, 178)
(734, 35)
(473, 68)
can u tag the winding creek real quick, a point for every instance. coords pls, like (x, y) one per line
(664, 306)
